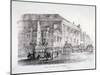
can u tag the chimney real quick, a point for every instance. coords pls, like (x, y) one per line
(78, 25)
(73, 22)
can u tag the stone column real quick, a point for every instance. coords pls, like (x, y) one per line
(38, 33)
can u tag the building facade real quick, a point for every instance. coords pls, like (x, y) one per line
(51, 29)
(85, 39)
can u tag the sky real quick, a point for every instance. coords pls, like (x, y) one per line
(83, 15)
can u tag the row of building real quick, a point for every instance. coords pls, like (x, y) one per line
(54, 29)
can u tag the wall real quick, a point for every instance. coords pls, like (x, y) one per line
(70, 33)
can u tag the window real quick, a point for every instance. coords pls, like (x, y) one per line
(55, 26)
(57, 38)
(60, 39)
(74, 40)
(77, 41)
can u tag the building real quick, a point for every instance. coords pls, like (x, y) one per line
(50, 28)
(85, 39)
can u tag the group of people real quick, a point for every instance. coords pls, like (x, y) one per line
(33, 56)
